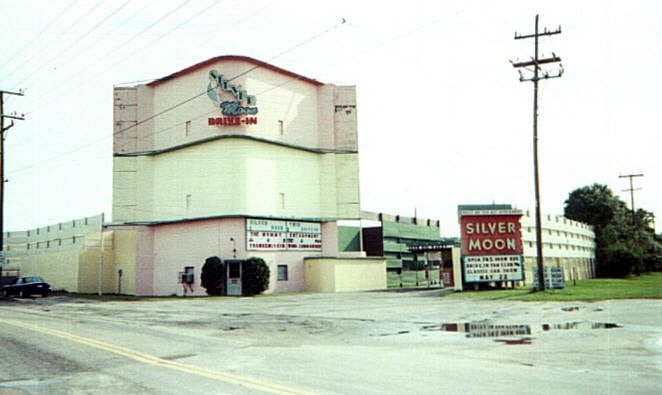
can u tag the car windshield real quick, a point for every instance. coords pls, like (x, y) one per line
(33, 279)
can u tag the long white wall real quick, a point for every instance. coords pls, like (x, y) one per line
(567, 244)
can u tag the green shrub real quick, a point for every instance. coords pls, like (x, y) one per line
(212, 276)
(255, 276)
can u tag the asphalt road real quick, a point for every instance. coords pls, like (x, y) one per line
(348, 343)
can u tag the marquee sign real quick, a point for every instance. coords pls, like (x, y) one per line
(491, 232)
(487, 268)
(274, 235)
(240, 110)
(492, 245)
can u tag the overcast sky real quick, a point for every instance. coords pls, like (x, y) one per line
(443, 118)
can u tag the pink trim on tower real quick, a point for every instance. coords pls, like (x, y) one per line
(246, 59)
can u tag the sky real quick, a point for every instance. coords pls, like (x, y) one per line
(443, 119)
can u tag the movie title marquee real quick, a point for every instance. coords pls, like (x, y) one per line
(273, 235)
(492, 245)
(240, 111)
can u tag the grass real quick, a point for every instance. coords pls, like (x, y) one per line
(646, 286)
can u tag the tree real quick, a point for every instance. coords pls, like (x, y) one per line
(625, 243)
(595, 205)
(212, 276)
(255, 276)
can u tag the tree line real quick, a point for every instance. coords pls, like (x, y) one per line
(626, 242)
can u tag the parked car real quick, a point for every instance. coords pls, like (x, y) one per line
(26, 286)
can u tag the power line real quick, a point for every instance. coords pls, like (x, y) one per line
(536, 61)
(116, 48)
(55, 89)
(93, 143)
(74, 43)
(178, 104)
(161, 36)
(60, 35)
(39, 34)
(631, 190)
(250, 69)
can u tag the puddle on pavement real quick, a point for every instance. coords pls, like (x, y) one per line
(580, 325)
(487, 329)
(482, 329)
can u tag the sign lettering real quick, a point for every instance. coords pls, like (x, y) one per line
(234, 111)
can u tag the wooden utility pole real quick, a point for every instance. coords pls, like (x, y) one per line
(3, 129)
(538, 74)
(631, 190)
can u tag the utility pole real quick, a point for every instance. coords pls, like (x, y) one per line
(538, 74)
(631, 190)
(3, 129)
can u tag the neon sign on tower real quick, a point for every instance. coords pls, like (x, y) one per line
(240, 111)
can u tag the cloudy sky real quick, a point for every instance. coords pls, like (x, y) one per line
(443, 118)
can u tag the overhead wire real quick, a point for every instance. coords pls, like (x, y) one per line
(42, 31)
(71, 26)
(163, 35)
(112, 52)
(73, 44)
(298, 45)
(57, 88)
(250, 69)
(93, 143)
(79, 148)
(343, 21)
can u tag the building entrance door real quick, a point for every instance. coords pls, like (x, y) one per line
(234, 278)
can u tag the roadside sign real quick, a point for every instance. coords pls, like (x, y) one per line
(553, 278)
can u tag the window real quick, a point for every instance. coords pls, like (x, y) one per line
(187, 128)
(282, 272)
(280, 127)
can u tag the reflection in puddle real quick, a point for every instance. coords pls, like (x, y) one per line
(483, 329)
(580, 325)
(486, 329)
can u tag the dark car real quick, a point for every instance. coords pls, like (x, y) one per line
(26, 286)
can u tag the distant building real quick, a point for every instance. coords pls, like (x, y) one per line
(396, 237)
(567, 244)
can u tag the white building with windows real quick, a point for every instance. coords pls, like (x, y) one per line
(567, 244)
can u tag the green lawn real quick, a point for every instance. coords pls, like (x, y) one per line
(648, 286)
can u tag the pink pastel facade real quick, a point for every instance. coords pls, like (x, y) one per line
(234, 158)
